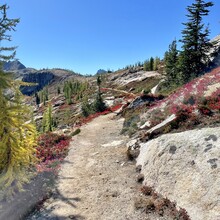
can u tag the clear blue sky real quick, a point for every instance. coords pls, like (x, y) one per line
(87, 35)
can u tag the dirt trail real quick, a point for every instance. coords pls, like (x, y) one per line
(96, 181)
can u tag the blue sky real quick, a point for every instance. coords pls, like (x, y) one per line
(87, 35)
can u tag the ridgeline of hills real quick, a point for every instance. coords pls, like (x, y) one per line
(41, 78)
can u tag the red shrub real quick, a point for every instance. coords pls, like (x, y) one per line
(51, 149)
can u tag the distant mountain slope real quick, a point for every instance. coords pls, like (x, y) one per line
(101, 71)
(13, 65)
(45, 77)
(40, 78)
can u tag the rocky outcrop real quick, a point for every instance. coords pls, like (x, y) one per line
(156, 88)
(185, 167)
(131, 76)
(216, 56)
(158, 129)
(144, 100)
(40, 78)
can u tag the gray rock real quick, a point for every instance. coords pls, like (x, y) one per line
(185, 167)
(158, 129)
(156, 88)
(133, 149)
(58, 103)
(41, 79)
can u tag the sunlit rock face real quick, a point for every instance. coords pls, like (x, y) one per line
(185, 167)
(40, 78)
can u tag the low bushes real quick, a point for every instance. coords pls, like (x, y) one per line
(191, 109)
(95, 115)
(153, 202)
(51, 150)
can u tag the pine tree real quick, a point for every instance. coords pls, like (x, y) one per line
(47, 122)
(68, 91)
(99, 105)
(58, 90)
(17, 136)
(194, 58)
(86, 107)
(37, 99)
(147, 65)
(43, 95)
(156, 63)
(99, 81)
(151, 64)
(171, 64)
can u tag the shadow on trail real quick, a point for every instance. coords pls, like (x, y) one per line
(27, 204)
(23, 202)
(73, 217)
(67, 178)
(68, 201)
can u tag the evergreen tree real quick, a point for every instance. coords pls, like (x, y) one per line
(37, 99)
(147, 65)
(99, 105)
(194, 58)
(171, 64)
(68, 91)
(86, 108)
(43, 95)
(47, 123)
(156, 63)
(99, 81)
(58, 90)
(151, 64)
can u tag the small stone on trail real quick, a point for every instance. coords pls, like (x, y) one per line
(122, 164)
(115, 194)
(138, 168)
(140, 178)
(94, 154)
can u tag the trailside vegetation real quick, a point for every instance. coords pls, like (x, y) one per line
(98, 105)
(48, 122)
(194, 58)
(17, 135)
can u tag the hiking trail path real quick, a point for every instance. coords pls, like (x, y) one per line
(96, 181)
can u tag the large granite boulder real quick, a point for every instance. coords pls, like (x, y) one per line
(185, 167)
